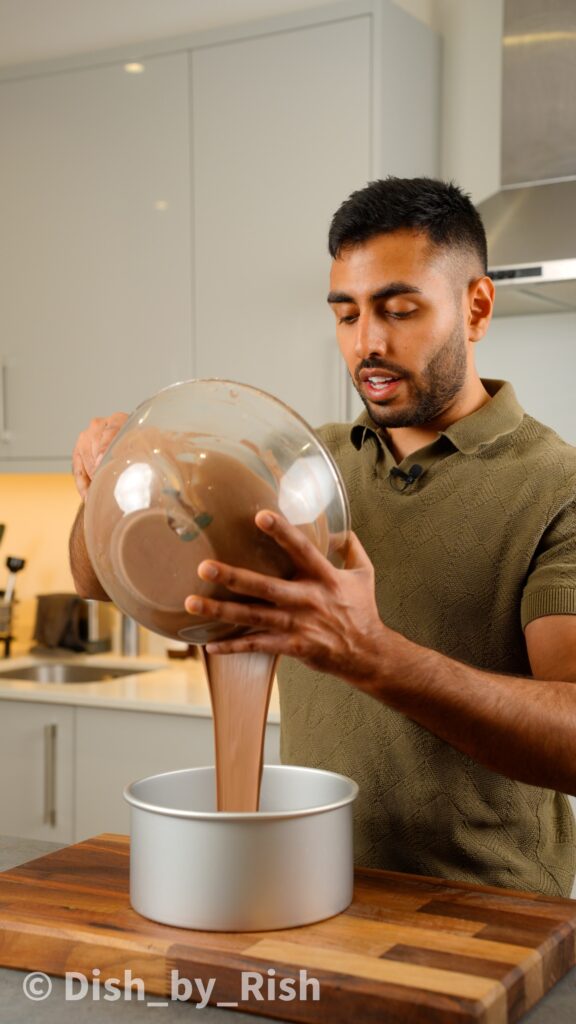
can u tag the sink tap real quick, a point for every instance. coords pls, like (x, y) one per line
(129, 636)
(98, 638)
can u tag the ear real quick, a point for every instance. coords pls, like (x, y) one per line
(480, 305)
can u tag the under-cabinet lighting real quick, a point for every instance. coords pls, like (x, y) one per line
(529, 38)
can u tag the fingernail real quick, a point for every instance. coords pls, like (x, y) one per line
(207, 571)
(98, 460)
(194, 605)
(265, 520)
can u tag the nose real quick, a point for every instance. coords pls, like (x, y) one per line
(371, 337)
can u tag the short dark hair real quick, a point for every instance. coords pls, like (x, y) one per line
(438, 208)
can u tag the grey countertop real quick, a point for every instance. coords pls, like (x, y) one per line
(558, 1007)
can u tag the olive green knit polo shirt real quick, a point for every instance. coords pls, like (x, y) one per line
(480, 544)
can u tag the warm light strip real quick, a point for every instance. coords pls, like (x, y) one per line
(539, 37)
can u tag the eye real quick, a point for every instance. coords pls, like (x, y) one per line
(400, 316)
(347, 319)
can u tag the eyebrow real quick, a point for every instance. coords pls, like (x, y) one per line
(389, 291)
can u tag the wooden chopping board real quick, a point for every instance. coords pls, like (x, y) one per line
(409, 949)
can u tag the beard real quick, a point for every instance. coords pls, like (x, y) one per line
(430, 394)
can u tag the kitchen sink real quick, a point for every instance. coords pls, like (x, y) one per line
(68, 672)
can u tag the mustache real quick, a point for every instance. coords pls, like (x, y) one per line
(380, 364)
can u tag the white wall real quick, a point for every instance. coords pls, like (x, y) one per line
(538, 355)
(426, 10)
(471, 86)
(471, 103)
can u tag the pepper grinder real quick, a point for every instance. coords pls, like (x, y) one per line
(13, 565)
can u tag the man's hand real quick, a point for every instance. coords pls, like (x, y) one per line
(91, 446)
(328, 619)
(89, 449)
(324, 616)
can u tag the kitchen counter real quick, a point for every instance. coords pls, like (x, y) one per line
(558, 1007)
(161, 685)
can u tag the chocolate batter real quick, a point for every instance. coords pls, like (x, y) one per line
(240, 686)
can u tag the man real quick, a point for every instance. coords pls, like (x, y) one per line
(437, 668)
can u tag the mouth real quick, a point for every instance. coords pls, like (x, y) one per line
(377, 385)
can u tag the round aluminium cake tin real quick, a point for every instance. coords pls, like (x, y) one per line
(288, 864)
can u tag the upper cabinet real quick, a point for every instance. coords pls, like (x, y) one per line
(286, 124)
(281, 137)
(95, 271)
(173, 223)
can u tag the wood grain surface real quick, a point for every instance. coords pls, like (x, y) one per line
(408, 949)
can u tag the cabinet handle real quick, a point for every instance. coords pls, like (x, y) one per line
(50, 745)
(4, 432)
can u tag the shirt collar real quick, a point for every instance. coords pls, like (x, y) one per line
(500, 416)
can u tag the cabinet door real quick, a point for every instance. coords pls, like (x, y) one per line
(95, 261)
(115, 748)
(36, 771)
(281, 135)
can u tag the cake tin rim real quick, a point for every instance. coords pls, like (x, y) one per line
(215, 817)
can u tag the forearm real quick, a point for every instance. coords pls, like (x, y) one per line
(522, 728)
(328, 619)
(85, 579)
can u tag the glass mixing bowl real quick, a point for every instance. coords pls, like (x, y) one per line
(183, 480)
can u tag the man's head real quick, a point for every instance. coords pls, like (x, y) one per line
(437, 209)
(410, 294)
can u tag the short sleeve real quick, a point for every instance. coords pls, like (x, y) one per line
(551, 585)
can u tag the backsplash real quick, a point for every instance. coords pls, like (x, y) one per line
(38, 510)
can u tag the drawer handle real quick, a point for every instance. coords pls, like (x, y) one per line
(50, 746)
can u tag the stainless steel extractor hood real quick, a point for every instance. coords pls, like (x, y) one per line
(531, 221)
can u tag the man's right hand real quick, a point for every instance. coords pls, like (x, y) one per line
(91, 446)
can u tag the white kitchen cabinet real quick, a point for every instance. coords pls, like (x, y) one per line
(95, 259)
(63, 768)
(281, 136)
(37, 771)
(128, 264)
(285, 125)
(114, 748)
